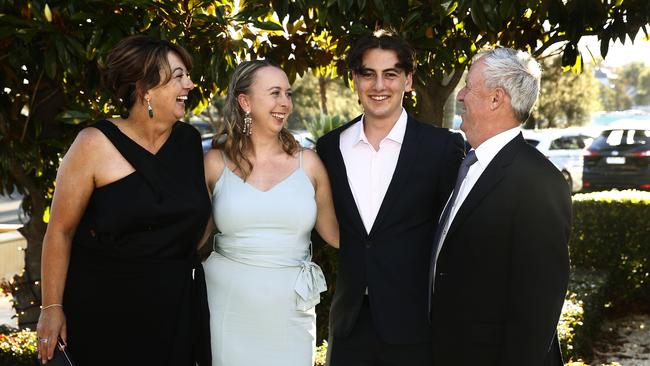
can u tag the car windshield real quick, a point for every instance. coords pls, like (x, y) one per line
(622, 138)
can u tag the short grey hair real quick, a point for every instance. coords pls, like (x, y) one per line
(517, 73)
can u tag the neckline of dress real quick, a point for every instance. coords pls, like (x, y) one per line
(132, 141)
(282, 181)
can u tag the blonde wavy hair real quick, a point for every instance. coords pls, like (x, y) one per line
(238, 144)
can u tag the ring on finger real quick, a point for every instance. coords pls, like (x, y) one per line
(43, 340)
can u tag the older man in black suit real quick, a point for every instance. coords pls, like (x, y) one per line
(500, 265)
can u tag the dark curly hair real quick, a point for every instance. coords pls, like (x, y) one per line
(384, 39)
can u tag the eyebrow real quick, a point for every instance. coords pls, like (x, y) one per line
(178, 68)
(277, 87)
(393, 69)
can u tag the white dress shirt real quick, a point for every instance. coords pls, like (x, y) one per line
(484, 153)
(369, 171)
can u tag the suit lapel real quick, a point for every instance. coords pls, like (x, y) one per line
(340, 179)
(491, 176)
(405, 161)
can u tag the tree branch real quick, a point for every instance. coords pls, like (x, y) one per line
(31, 105)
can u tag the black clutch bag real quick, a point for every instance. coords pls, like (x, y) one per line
(61, 356)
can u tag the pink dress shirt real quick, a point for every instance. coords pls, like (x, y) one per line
(369, 171)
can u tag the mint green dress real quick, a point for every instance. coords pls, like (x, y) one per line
(262, 286)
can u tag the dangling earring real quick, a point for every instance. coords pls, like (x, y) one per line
(248, 121)
(149, 109)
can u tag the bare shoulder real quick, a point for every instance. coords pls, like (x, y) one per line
(89, 144)
(313, 167)
(213, 165)
(311, 160)
(214, 159)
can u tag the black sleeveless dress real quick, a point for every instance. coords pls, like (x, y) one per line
(135, 291)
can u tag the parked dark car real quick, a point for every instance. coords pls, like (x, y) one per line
(619, 158)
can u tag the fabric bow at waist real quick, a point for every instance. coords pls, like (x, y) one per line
(309, 284)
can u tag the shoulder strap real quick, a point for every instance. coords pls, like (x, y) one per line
(300, 158)
(142, 163)
(223, 156)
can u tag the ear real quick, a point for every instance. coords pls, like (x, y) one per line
(408, 85)
(497, 98)
(244, 102)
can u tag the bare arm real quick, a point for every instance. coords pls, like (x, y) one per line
(74, 185)
(326, 224)
(213, 165)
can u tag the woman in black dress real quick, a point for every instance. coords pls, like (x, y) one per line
(120, 277)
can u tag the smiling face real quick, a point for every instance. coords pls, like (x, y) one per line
(475, 100)
(268, 100)
(168, 100)
(380, 85)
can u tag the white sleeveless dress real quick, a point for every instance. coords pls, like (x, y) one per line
(262, 286)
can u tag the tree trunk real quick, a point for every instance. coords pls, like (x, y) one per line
(449, 111)
(322, 86)
(432, 94)
(26, 289)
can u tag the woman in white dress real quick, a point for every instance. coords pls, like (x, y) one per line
(267, 196)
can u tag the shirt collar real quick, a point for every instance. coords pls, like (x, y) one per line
(396, 133)
(491, 147)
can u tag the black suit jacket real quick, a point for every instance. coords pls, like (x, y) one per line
(392, 261)
(502, 272)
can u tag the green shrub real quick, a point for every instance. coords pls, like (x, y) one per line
(582, 313)
(611, 234)
(18, 348)
(322, 124)
(321, 354)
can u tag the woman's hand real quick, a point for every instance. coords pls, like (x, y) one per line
(51, 326)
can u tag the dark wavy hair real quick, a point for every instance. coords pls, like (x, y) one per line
(384, 39)
(134, 66)
(237, 143)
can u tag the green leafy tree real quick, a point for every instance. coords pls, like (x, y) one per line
(447, 34)
(643, 88)
(317, 95)
(51, 89)
(566, 98)
(614, 97)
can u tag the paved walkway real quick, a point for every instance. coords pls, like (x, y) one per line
(6, 311)
(626, 341)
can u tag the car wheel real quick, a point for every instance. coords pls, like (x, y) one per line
(567, 178)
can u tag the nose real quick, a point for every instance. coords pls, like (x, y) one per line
(379, 82)
(188, 83)
(461, 95)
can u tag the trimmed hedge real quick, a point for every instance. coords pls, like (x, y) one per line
(611, 233)
(582, 313)
(609, 250)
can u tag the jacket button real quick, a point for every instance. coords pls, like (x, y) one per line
(368, 243)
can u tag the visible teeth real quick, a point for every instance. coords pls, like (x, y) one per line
(278, 115)
(379, 97)
(181, 97)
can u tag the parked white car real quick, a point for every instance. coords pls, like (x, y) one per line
(564, 148)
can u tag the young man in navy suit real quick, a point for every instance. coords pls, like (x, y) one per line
(500, 265)
(391, 175)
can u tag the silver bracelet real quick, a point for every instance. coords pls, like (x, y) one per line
(51, 306)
